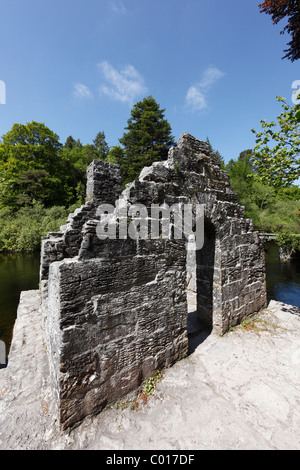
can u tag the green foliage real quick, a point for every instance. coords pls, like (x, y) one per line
(292, 193)
(268, 193)
(40, 177)
(30, 166)
(289, 12)
(240, 171)
(216, 153)
(101, 146)
(150, 384)
(277, 151)
(22, 231)
(147, 140)
(70, 143)
(289, 242)
(272, 209)
(36, 167)
(116, 155)
(280, 216)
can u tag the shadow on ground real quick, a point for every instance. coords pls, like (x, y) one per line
(197, 330)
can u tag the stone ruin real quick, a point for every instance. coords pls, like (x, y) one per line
(116, 310)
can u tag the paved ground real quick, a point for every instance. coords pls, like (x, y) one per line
(239, 391)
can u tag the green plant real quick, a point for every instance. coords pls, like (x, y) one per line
(150, 386)
(176, 166)
(22, 231)
(276, 153)
(257, 324)
(289, 242)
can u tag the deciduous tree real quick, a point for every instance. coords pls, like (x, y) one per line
(290, 11)
(277, 152)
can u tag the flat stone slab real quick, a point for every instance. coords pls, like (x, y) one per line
(238, 391)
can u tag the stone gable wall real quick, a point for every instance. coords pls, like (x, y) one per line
(116, 310)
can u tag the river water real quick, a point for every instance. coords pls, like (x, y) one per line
(19, 272)
(283, 277)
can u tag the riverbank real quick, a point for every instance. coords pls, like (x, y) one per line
(239, 391)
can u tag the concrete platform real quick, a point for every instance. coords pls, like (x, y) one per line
(240, 391)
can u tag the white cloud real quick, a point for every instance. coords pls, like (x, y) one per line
(124, 85)
(210, 76)
(196, 99)
(82, 91)
(118, 6)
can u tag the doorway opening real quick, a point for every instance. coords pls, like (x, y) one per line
(200, 287)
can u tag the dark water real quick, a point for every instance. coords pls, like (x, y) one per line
(283, 277)
(20, 272)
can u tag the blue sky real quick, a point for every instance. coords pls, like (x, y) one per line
(79, 66)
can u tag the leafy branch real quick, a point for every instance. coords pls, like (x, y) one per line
(276, 157)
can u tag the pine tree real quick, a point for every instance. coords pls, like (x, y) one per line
(101, 146)
(147, 140)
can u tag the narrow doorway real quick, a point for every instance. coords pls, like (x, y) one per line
(200, 275)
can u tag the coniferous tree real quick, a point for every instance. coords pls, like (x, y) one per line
(216, 153)
(147, 140)
(115, 155)
(101, 146)
(70, 143)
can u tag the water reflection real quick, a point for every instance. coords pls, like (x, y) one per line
(18, 272)
(283, 277)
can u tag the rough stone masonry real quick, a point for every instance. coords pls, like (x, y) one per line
(116, 310)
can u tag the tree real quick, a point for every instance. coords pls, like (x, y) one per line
(277, 151)
(289, 10)
(240, 169)
(239, 172)
(30, 165)
(216, 153)
(75, 161)
(272, 209)
(115, 155)
(147, 140)
(36, 167)
(32, 144)
(101, 146)
(70, 143)
(32, 186)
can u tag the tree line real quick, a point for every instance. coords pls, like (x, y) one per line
(43, 180)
